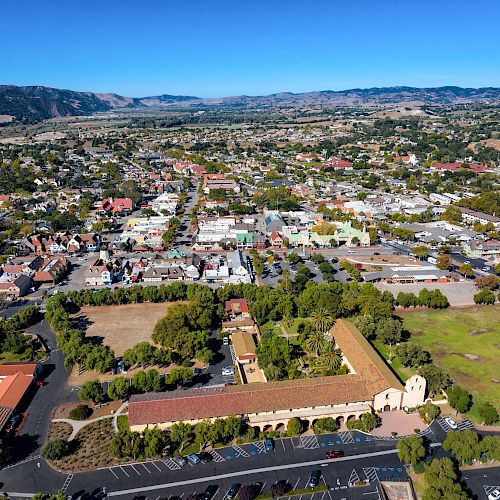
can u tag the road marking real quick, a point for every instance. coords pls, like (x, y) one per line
(283, 444)
(138, 473)
(346, 437)
(370, 473)
(217, 457)
(66, 483)
(148, 471)
(489, 489)
(240, 452)
(260, 446)
(153, 463)
(295, 487)
(254, 471)
(124, 471)
(113, 472)
(309, 442)
(26, 460)
(353, 478)
(171, 464)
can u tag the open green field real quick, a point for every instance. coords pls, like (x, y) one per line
(465, 341)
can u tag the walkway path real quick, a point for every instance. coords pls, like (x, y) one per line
(78, 425)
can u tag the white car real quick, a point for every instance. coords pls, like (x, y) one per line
(495, 494)
(227, 371)
(225, 340)
(451, 423)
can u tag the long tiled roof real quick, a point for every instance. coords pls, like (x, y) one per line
(371, 377)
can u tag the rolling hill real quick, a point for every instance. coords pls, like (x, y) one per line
(35, 103)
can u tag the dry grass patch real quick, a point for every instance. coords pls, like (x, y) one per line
(59, 430)
(91, 448)
(121, 327)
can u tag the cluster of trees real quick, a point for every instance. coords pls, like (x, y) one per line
(145, 354)
(366, 423)
(184, 329)
(72, 342)
(135, 294)
(461, 400)
(350, 269)
(441, 481)
(130, 445)
(387, 329)
(219, 432)
(468, 445)
(433, 299)
(11, 337)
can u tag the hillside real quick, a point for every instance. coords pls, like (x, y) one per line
(31, 104)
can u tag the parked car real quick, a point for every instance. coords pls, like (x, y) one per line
(495, 494)
(451, 423)
(210, 492)
(205, 457)
(269, 444)
(196, 372)
(193, 458)
(334, 454)
(233, 491)
(225, 340)
(181, 461)
(314, 479)
(227, 371)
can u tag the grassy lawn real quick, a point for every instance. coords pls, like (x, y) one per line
(385, 351)
(465, 341)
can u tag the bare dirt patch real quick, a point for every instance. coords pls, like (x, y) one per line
(59, 430)
(121, 327)
(106, 409)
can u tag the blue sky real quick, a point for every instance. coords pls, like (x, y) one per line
(230, 47)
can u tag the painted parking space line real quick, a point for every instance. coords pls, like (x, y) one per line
(147, 470)
(113, 472)
(171, 464)
(354, 477)
(217, 457)
(65, 486)
(370, 473)
(138, 473)
(240, 452)
(154, 463)
(124, 471)
(346, 437)
(309, 442)
(489, 489)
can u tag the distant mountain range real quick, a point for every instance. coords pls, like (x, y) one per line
(35, 103)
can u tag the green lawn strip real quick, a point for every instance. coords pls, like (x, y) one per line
(454, 337)
(122, 422)
(302, 491)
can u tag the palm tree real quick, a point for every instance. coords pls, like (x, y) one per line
(322, 320)
(332, 357)
(315, 342)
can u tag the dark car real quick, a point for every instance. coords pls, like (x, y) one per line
(269, 444)
(334, 454)
(205, 457)
(314, 479)
(210, 492)
(233, 491)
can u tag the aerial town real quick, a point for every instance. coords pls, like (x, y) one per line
(250, 250)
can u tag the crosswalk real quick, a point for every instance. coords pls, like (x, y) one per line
(26, 460)
(370, 473)
(346, 437)
(461, 426)
(309, 442)
(65, 486)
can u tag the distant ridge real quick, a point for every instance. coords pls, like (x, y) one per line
(35, 103)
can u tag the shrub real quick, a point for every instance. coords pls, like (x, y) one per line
(81, 412)
(55, 449)
(488, 413)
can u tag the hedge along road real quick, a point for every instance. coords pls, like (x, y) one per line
(253, 471)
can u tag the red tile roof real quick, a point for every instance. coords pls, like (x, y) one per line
(453, 167)
(13, 388)
(13, 368)
(236, 306)
(371, 377)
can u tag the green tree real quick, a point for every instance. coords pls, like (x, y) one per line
(443, 262)
(154, 441)
(441, 481)
(322, 320)
(411, 450)
(421, 252)
(484, 296)
(202, 433)
(118, 388)
(463, 445)
(55, 449)
(294, 427)
(437, 378)
(429, 412)
(180, 434)
(91, 391)
(452, 214)
(488, 413)
(315, 342)
(466, 270)
(459, 399)
(331, 357)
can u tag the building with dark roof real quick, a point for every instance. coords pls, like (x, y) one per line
(370, 385)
